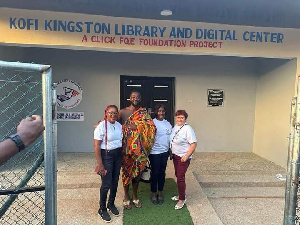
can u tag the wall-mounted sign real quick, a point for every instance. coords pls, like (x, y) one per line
(215, 97)
(96, 32)
(69, 94)
(70, 116)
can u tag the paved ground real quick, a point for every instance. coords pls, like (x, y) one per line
(222, 188)
(241, 187)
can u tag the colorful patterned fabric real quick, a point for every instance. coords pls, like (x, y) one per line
(137, 144)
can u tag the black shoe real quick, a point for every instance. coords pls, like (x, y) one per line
(154, 200)
(113, 209)
(160, 200)
(104, 215)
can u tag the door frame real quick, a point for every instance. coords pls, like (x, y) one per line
(149, 78)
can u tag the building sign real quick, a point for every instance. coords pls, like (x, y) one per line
(69, 94)
(215, 97)
(70, 116)
(67, 30)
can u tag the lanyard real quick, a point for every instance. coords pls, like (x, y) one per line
(176, 134)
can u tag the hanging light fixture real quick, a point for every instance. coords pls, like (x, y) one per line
(166, 12)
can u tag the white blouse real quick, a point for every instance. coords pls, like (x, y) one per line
(114, 135)
(162, 137)
(183, 139)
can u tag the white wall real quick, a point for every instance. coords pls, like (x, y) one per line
(275, 90)
(228, 128)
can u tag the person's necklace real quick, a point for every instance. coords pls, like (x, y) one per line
(113, 125)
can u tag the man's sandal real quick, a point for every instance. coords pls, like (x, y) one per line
(126, 204)
(137, 203)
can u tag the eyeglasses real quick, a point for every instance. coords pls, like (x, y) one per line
(112, 113)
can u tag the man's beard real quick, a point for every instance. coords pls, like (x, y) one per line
(135, 105)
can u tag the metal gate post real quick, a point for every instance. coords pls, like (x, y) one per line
(293, 182)
(50, 154)
(54, 136)
(289, 161)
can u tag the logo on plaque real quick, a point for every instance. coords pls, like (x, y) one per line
(69, 94)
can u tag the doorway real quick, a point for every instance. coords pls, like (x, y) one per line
(154, 90)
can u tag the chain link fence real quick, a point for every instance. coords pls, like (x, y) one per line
(22, 184)
(297, 218)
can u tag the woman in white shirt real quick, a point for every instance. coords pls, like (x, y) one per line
(108, 153)
(159, 154)
(183, 144)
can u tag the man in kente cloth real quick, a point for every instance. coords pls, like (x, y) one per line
(138, 139)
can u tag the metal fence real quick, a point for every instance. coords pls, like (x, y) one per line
(292, 192)
(28, 180)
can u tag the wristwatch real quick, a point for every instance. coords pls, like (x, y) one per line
(19, 143)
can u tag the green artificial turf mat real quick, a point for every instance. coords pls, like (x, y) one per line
(157, 214)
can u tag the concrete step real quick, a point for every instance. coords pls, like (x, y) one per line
(78, 179)
(250, 211)
(245, 192)
(243, 172)
(238, 180)
(240, 162)
(198, 204)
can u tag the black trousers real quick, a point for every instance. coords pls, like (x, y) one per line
(158, 170)
(112, 161)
